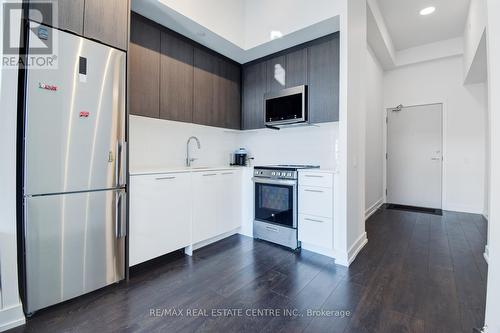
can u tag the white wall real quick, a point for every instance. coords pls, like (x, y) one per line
(441, 81)
(374, 172)
(285, 16)
(493, 296)
(474, 29)
(224, 17)
(156, 143)
(350, 235)
(10, 307)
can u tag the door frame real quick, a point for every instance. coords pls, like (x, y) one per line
(385, 133)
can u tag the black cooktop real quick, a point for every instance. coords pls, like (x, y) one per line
(287, 167)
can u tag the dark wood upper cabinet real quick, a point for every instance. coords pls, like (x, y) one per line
(216, 90)
(276, 74)
(205, 111)
(254, 89)
(144, 68)
(69, 15)
(323, 77)
(107, 21)
(231, 92)
(176, 78)
(296, 68)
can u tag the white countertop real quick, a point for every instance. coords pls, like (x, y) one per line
(154, 171)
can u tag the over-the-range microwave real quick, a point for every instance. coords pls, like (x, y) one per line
(287, 106)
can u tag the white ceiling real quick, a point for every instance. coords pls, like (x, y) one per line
(207, 22)
(409, 29)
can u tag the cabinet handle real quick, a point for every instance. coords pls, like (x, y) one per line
(315, 191)
(313, 220)
(209, 174)
(227, 173)
(165, 178)
(313, 176)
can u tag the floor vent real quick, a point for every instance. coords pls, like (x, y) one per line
(432, 211)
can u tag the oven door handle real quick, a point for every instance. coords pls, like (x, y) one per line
(274, 181)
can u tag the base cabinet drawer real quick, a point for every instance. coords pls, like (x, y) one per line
(319, 179)
(317, 231)
(317, 201)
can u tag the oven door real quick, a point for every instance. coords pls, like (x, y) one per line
(276, 201)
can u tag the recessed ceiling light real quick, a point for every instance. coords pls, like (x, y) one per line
(428, 10)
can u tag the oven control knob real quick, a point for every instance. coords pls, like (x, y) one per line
(278, 173)
(289, 174)
(273, 173)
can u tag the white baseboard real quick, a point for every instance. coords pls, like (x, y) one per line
(486, 254)
(347, 258)
(356, 248)
(463, 209)
(11, 317)
(373, 208)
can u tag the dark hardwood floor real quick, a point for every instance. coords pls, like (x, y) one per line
(418, 273)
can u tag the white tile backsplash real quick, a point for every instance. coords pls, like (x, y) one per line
(156, 143)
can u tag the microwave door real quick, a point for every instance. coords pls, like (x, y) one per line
(287, 106)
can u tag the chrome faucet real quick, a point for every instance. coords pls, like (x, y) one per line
(188, 158)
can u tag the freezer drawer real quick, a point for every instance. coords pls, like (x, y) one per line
(75, 119)
(74, 244)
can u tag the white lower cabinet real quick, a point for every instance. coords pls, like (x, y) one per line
(316, 231)
(315, 227)
(216, 203)
(160, 215)
(171, 211)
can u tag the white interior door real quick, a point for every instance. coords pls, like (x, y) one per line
(414, 156)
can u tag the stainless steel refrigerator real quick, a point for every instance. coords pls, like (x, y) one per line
(74, 214)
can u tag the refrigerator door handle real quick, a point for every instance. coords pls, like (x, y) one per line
(123, 164)
(120, 163)
(117, 163)
(120, 219)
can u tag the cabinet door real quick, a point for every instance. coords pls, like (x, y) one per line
(276, 74)
(144, 73)
(69, 15)
(296, 68)
(230, 80)
(316, 231)
(205, 201)
(323, 90)
(206, 67)
(176, 82)
(160, 215)
(216, 90)
(254, 88)
(107, 21)
(229, 207)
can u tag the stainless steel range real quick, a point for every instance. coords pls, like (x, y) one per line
(275, 218)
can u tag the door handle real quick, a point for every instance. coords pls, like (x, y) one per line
(436, 158)
(314, 191)
(272, 229)
(313, 220)
(165, 178)
(120, 163)
(120, 227)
